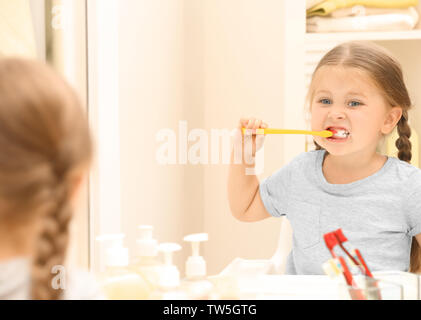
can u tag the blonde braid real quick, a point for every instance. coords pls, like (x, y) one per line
(403, 143)
(404, 146)
(51, 250)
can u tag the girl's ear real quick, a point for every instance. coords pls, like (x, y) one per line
(391, 120)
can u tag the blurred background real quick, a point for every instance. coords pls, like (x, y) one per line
(141, 66)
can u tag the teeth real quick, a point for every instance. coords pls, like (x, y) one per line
(340, 133)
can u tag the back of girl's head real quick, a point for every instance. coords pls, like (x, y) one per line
(385, 72)
(45, 146)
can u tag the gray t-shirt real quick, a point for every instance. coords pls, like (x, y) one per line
(15, 282)
(378, 214)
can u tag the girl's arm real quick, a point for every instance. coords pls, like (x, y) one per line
(243, 190)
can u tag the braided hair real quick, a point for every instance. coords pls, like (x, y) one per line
(51, 247)
(386, 72)
(46, 146)
(403, 144)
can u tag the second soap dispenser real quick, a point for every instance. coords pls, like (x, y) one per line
(169, 278)
(196, 286)
(146, 262)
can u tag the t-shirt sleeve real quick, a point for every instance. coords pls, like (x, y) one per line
(274, 190)
(413, 206)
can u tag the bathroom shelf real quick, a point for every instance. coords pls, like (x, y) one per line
(372, 36)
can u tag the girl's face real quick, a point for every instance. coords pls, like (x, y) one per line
(347, 98)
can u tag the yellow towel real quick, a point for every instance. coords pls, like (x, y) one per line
(381, 22)
(326, 7)
(312, 3)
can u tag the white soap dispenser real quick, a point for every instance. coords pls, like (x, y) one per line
(146, 263)
(195, 284)
(147, 246)
(169, 278)
(117, 281)
(106, 242)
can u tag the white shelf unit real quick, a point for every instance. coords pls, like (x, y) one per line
(372, 36)
(304, 50)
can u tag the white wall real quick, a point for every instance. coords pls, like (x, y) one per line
(243, 78)
(153, 97)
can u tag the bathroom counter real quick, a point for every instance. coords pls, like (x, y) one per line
(288, 287)
(315, 287)
(253, 279)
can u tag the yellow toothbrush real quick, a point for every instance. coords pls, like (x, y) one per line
(324, 133)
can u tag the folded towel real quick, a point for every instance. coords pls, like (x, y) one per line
(312, 3)
(366, 11)
(381, 22)
(328, 6)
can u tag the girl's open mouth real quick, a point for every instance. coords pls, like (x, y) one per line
(340, 134)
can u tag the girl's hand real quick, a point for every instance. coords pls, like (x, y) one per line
(250, 137)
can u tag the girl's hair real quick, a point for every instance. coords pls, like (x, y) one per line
(386, 73)
(45, 147)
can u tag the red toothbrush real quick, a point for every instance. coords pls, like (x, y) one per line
(359, 261)
(331, 241)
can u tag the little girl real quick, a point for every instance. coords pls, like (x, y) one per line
(358, 89)
(45, 154)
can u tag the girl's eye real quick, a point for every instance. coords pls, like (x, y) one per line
(325, 101)
(356, 103)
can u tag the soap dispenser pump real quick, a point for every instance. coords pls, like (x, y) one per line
(195, 284)
(196, 264)
(170, 276)
(146, 263)
(169, 279)
(146, 245)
